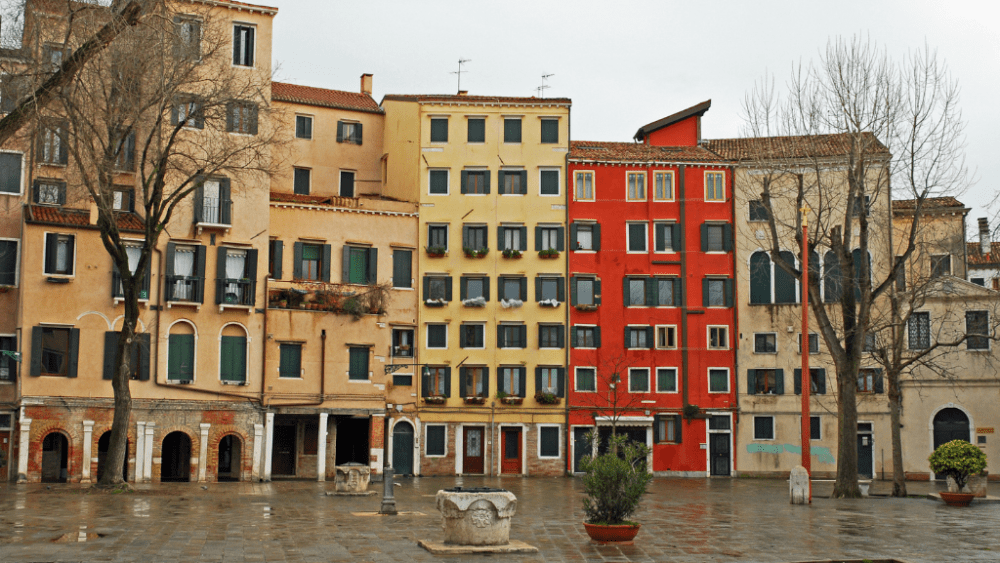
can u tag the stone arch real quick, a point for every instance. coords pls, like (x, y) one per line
(231, 450)
(175, 456)
(55, 450)
(934, 417)
(103, 443)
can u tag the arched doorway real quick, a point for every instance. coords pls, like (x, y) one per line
(176, 458)
(103, 445)
(950, 424)
(402, 448)
(230, 449)
(55, 458)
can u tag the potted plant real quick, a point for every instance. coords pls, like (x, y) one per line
(614, 484)
(436, 251)
(435, 400)
(474, 400)
(475, 253)
(549, 254)
(959, 460)
(511, 253)
(582, 307)
(508, 399)
(546, 398)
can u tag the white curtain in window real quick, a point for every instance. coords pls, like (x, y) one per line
(235, 266)
(549, 239)
(183, 266)
(62, 255)
(512, 238)
(585, 238)
(210, 203)
(133, 253)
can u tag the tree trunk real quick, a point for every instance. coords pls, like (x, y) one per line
(895, 405)
(123, 395)
(846, 485)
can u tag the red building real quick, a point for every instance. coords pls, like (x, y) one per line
(651, 267)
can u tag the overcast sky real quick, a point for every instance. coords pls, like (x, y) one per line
(625, 64)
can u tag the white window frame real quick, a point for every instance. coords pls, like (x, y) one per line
(582, 326)
(486, 120)
(668, 222)
(312, 125)
(447, 191)
(21, 184)
(673, 193)
(559, 432)
(427, 426)
(430, 120)
(479, 324)
(503, 132)
(576, 379)
(656, 337)
(708, 337)
(45, 250)
(256, 41)
(427, 336)
(447, 234)
(17, 262)
(705, 183)
(798, 339)
(572, 243)
(676, 385)
(593, 185)
(774, 334)
(649, 384)
(645, 186)
(246, 334)
(729, 382)
(558, 172)
(628, 242)
(774, 429)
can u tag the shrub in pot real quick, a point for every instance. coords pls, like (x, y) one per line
(959, 460)
(614, 484)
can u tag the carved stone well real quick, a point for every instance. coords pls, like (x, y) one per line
(476, 516)
(352, 477)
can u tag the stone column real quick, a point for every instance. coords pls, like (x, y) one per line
(203, 453)
(147, 471)
(22, 453)
(321, 451)
(140, 450)
(88, 438)
(376, 443)
(258, 437)
(268, 444)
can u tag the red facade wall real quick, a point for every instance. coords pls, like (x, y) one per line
(682, 133)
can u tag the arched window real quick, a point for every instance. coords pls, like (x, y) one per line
(233, 354)
(784, 282)
(832, 283)
(760, 277)
(180, 353)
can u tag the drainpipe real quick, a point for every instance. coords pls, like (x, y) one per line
(682, 169)
(263, 359)
(569, 432)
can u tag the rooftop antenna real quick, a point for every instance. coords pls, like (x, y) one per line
(541, 89)
(459, 72)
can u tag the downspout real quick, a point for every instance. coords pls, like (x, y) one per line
(569, 433)
(263, 359)
(682, 169)
(734, 408)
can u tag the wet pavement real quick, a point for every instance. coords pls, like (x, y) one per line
(683, 520)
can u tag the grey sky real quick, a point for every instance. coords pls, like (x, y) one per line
(628, 63)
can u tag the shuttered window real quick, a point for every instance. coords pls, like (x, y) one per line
(435, 445)
(763, 428)
(477, 130)
(550, 131)
(10, 173)
(358, 356)
(549, 182)
(548, 441)
(290, 360)
(586, 379)
(439, 130)
(180, 358)
(402, 268)
(302, 177)
(233, 360)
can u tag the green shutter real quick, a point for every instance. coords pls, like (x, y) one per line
(144, 354)
(704, 237)
(572, 291)
(727, 288)
(597, 337)
(463, 288)
(427, 288)
(626, 292)
(110, 349)
(486, 288)
(233, 364)
(560, 238)
(538, 289)
(797, 377)
(628, 338)
(402, 261)
(573, 238)
(371, 273)
(524, 181)
(36, 350)
(820, 381)
(220, 273)
(278, 249)
(447, 289)
(425, 383)
(779, 381)
(704, 292)
(297, 260)
(180, 358)
(561, 336)
(524, 289)
(596, 235)
(760, 278)
(727, 237)
(572, 337)
(538, 379)
(659, 237)
(879, 383)
(678, 429)
(675, 237)
(561, 290)
(522, 374)
(751, 382)
(447, 382)
(465, 181)
(597, 291)
(523, 243)
(652, 292)
(340, 131)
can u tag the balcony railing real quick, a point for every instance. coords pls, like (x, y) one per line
(213, 211)
(185, 288)
(342, 299)
(116, 286)
(230, 291)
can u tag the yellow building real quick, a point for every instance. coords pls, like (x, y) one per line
(489, 174)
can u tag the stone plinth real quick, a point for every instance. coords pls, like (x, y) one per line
(798, 485)
(352, 478)
(476, 517)
(976, 485)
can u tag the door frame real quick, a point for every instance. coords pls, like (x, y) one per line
(499, 445)
(872, 434)
(930, 430)
(416, 442)
(460, 446)
(708, 444)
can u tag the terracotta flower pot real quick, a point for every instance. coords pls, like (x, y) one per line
(957, 499)
(612, 534)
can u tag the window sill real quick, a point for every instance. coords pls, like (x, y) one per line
(350, 380)
(180, 381)
(247, 308)
(195, 304)
(233, 382)
(119, 300)
(56, 278)
(214, 226)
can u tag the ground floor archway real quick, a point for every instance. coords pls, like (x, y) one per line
(103, 445)
(175, 465)
(55, 458)
(230, 452)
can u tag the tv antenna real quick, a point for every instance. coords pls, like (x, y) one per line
(541, 89)
(459, 72)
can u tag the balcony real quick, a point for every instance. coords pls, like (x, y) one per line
(118, 295)
(184, 289)
(339, 299)
(213, 213)
(232, 292)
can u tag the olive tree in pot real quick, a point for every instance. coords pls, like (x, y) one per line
(614, 484)
(959, 460)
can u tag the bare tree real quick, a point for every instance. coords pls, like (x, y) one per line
(164, 102)
(612, 400)
(854, 129)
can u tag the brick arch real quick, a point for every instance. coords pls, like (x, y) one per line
(160, 435)
(73, 450)
(131, 440)
(216, 434)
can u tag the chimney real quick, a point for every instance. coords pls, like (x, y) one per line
(366, 84)
(463, 92)
(984, 235)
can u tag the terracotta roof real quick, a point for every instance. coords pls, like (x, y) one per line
(322, 97)
(804, 146)
(603, 151)
(976, 257)
(929, 203)
(326, 200)
(77, 218)
(698, 110)
(476, 99)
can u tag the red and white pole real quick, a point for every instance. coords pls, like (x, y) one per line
(806, 378)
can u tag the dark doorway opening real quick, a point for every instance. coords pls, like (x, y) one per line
(230, 449)
(55, 458)
(582, 447)
(402, 448)
(175, 458)
(352, 440)
(283, 451)
(634, 434)
(950, 424)
(511, 458)
(103, 445)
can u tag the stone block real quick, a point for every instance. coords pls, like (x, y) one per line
(798, 485)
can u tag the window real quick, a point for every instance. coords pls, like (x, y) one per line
(54, 351)
(637, 337)
(636, 186)
(551, 336)
(437, 382)
(667, 292)
(513, 288)
(513, 182)
(437, 236)
(474, 382)
(10, 173)
(358, 368)
(548, 238)
(548, 182)
(125, 151)
(765, 382)
(51, 147)
(437, 336)
(439, 129)
(53, 55)
(765, 343)
(185, 275)
(718, 380)
(856, 207)
(763, 427)
(402, 268)
(513, 238)
(290, 360)
(548, 441)
(666, 380)
(303, 127)
(188, 112)
(472, 335)
(49, 192)
(8, 262)
(586, 380)
(978, 281)
(8, 367)
(586, 337)
(59, 254)
(512, 130)
(814, 428)
(243, 48)
(346, 183)
(512, 381)
(475, 182)
(123, 199)
(133, 251)
(437, 288)
(635, 292)
(718, 338)
(817, 383)
(360, 265)
(715, 237)
(233, 359)
(241, 117)
(978, 330)
(477, 130)
(438, 182)
(212, 204)
(512, 336)
(349, 132)
(869, 344)
(666, 337)
(475, 287)
(13, 89)
(586, 236)
(180, 358)
(637, 237)
(940, 265)
(667, 428)
(714, 191)
(402, 342)
(302, 177)
(584, 186)
(870, 380)
(919, 331)
(813, 342)
(550, 131)
(758, 211)
(474, 237)
(638, 380)
(664, 186)
(667, 237)
(585, 291)
(435, 442)
(717, 292)
(550, 290)
(311, 264)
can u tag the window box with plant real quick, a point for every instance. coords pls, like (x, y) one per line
(474, 400)
(545, 398)
(475, 253)
(549, 254)
(583, 307)
(958, 460)
(614, 484)
(512, 254)
(435, 400)
(509, 399)
(436, 251)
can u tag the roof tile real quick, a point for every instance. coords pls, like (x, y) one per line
(467, 98)
(929, 203)
(977, 258)
(602, 151)
(78, 217)
(322, 97)
(802, 146)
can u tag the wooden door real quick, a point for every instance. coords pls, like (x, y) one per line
(510, 460)
(473, 458)
(718, 449)
(283, 452)
(402, 448)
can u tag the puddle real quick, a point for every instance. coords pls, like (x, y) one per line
(78, 537)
